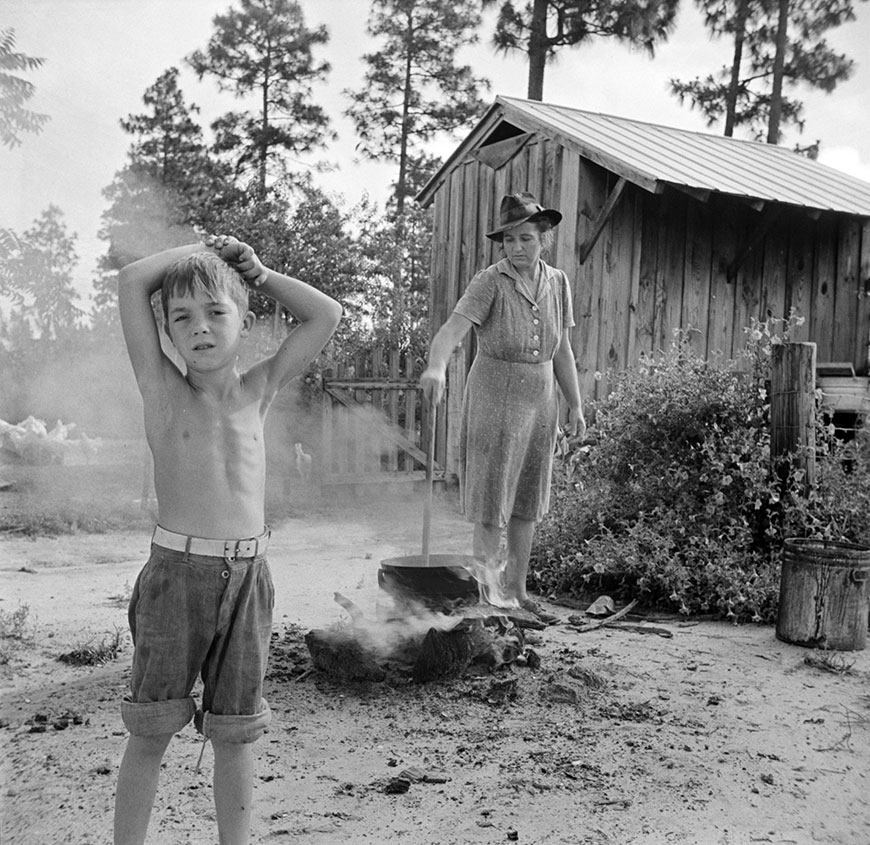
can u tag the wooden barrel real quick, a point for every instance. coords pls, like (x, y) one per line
(824, 599)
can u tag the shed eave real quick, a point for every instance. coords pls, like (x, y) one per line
(757, 199)
(482, 128)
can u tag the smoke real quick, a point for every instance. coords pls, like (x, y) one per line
(400, 624)
(364, 441)
(489, 576)
(95, 391)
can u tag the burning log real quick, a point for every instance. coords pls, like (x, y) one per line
(428, 646)
(340, 655)
(447, 654)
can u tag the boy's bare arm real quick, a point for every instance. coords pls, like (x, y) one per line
(137, 282)
(316, 313)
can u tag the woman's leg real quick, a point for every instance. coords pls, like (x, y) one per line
(486, 542)
(233, 790)
(520, 533)
(137, 786)
(486, 547)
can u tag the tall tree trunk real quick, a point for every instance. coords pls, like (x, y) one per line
(264, 128)
(538, 50)
(403, 142)
(778, 67)
(734, 83)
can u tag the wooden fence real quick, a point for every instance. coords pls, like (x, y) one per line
(374, 421)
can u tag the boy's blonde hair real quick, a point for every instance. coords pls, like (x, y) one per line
(204, 271)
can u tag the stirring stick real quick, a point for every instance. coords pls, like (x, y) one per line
(427, 506)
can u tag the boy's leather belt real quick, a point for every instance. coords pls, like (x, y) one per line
(227, 549)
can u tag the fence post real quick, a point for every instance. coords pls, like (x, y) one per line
(792, 407)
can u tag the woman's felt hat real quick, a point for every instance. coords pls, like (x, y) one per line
(520, 208)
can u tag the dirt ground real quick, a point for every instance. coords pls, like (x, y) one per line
(713, 734)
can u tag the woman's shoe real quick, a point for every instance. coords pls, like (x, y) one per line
(536, 610)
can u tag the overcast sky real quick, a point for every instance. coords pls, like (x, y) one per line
(101, 55)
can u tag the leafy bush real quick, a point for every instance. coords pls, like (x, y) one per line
(16, 628)
(672, 498)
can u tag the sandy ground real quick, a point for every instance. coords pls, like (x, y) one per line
(715, 734)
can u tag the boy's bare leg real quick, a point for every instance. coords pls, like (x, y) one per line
(233, 790)
(137, 786)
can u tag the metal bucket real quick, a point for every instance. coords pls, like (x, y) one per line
(824, 600)
(440, 577)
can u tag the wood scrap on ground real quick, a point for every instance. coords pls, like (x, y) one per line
(578, 623)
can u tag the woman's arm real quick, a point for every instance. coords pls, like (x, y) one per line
(566, 377)
(446, 340)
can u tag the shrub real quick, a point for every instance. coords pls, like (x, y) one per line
(16, 629)
(672, 498)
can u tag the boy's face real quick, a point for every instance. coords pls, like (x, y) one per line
(206, 328)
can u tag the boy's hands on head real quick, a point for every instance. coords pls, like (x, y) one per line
(241, 257)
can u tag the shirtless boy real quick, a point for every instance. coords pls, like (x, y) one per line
(203, 602)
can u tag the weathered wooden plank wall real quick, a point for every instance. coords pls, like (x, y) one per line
(662, 262)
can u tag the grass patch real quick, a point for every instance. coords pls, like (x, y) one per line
(15, 624)
(52, 500)
(122, 599)
(95, 652)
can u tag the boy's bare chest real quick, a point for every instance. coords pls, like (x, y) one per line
(198, 425)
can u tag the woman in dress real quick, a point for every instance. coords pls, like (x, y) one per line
(521, 310)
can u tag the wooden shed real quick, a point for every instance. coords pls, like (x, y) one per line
(662, 229)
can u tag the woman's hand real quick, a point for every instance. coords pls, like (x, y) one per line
(433, 382)
(576, 423)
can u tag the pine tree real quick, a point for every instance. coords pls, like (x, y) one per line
(169, 184)
(15, 91)
(41, 278)
(541, 27)
(264, 50)
(778, 44)
(413, 88)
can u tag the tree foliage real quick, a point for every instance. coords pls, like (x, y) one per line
(413, 88)
(395, 271)
(264, 51)
(777, 46)
(541, 27)
(15, 91)
(44, 328)
(169, 184)
(39, 278)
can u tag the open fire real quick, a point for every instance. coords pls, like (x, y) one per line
(433, 623)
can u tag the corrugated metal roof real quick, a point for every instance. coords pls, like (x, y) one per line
(654, 156)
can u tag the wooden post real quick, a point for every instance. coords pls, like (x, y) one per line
(792, 407)
(327, 429)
